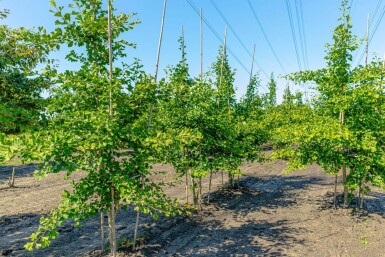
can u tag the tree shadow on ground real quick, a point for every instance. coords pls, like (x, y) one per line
(211, 239)
(201, 235)
(263, 194)
(72, 241)
(374, 203)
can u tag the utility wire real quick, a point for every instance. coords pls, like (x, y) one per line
(236, 35)
(264, 34)
(230, 27)
(301, 31)
(220, 39)
(289, 11)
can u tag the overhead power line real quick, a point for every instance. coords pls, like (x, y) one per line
(236, 35)
(221, 40)
(289, 12)
(265, 35)
(301, 32)
(230, 27)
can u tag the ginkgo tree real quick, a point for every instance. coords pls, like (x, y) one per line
(345, 130)
(93, 120)
(21, 84)
(187, 119)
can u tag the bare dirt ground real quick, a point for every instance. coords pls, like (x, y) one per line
(269, 214)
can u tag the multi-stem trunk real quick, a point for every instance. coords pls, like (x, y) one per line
(362, 192)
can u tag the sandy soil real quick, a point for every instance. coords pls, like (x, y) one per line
(268, 214)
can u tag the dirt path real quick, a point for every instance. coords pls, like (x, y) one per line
(270, 214)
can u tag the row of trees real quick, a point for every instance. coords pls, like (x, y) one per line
(110, 120)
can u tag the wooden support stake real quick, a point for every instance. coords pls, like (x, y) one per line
(201, 42)
(151, 107)
(183, 53)
(367, 40)
(252, 66)
(223, 60)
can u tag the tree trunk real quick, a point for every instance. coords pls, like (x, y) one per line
(346, 193)
(208, 196)
(335, 191)
(111, 224)
(195, 192)
(137, 217)
(12, 178)
(231, 179)
(102, 229)
(136, 230)
(362, 192)
(359, 194)
(186, 186)
(222, 176)
(200, 194)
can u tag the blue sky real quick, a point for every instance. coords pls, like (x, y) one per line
(319, 19)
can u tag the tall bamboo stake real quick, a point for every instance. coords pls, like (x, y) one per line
(223, 57)
(342, 120)
(183, 63)
(151, 107)
(110, 54)
(221, 75)
(112, 215)
(201, 42)
(186, 172)
(367, 40)
(252, 66)
(363, 184)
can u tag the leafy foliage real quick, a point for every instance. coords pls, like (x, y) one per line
(93, 120)
(21, 84)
